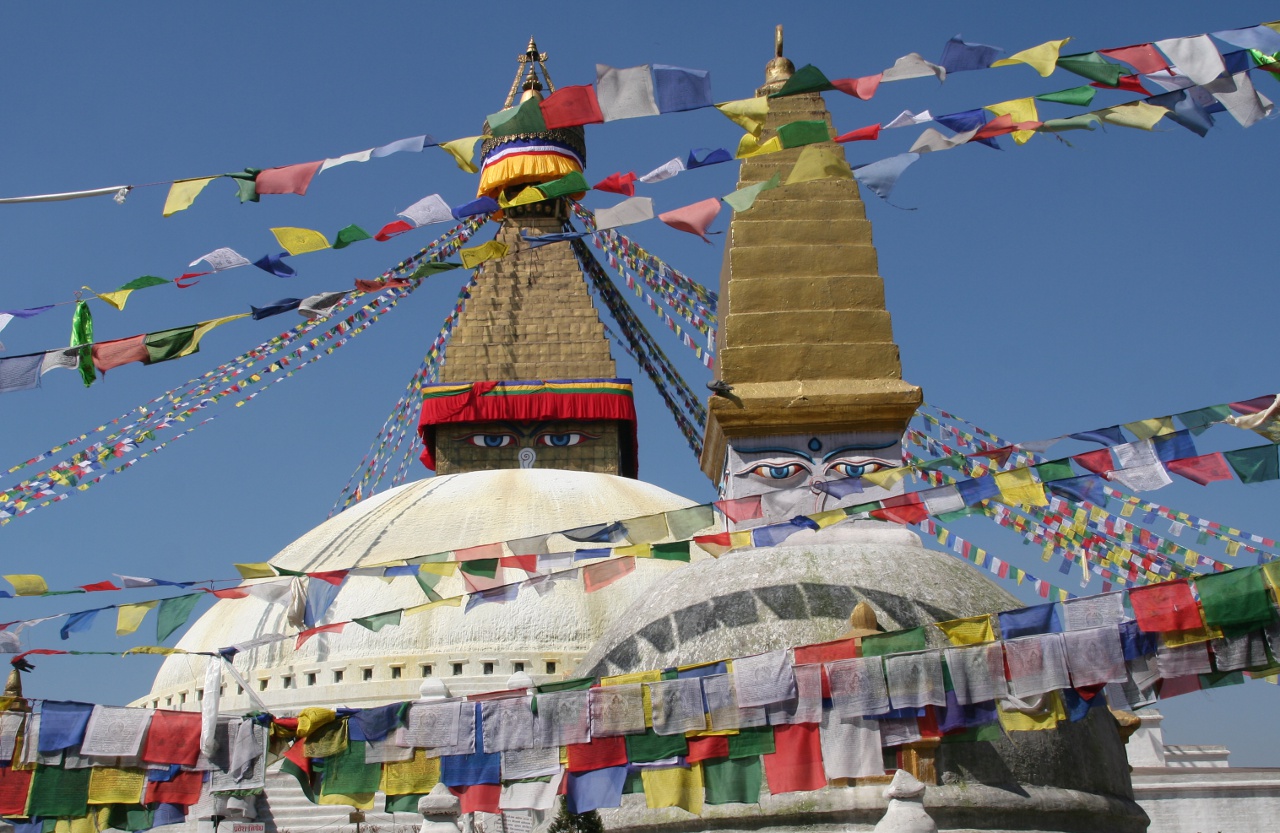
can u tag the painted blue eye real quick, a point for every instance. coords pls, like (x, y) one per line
(776, 472)
(564, 440)
(848, 469)
(489, 440)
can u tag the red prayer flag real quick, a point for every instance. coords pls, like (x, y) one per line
(624, 184)
(693, 218)
(189, 277)
(230, 593)
(1143, 57)
(998, 456)
(1205, 469)
(862, 134)
(741, 509)
(291, 179)
(862, 88)
(1166, 606)
(1098, 462)
(902, 509)
(707, 749)
(825, 652)
(111, 354)
(998, 126)
(796, 763)
(14, 786)
(98, 587)
(528, 563)
(336, 627)
(572, 106)
(600, 753)
(333, 577)
(183, 788)
(716, 544)
(480, 553)
(173, 738)
(1253, 406)
(390, 230)
(601, 574)
(1128, 83)
(478, 798)
(379, 285)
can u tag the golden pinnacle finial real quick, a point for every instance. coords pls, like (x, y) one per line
(525, 64)
(778, 70)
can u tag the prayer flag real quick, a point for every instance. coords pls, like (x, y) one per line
(618, 183)
(1018, 488)
(304, 636)
(595, 789)
(795, 765)
(798, 133)
(58, 792)
(1165, 606)
(281, 306)
(702, 157)
(1029, 621)
(675, 786)
(1081, 96)
(863, 88)
(463, 152)
(747, 113)
(298, 241)
(348, 235)
(677, 88)
(291, 179)
(694, 218)
(817, 162)
(1042, 58)
(664, 171)
(1235, 600)
(183, 193)
(27, 585)
(275, 265)
(807, 79)
(476, 255)
(483, 205)
(625, 93)
(1186, 111)
(1138, 114)
(958, 56)
(971, 631)
(1236, 93)
(744, 198)
(393, 229)
(379, 621)
(82, 337)
(129, 617)
(525, 117)
(912, 65)
(1254, 465)
(1020, 110)
(1142, 57)
(62, 725)
(1205, 469)
(1195, 57)
(1093, 66)
(430, 209)
(750, 145)
(358, 156)
(108, 355)
(862, 134)
(174, 738)
(173, 614)
(571, 107)
(573, 183)
(894, 642)
(882, 176)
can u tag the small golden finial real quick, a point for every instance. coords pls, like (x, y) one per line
(862, 622)
(524, 65)
(778, 70)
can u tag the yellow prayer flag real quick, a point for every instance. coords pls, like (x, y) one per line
(1020, 110)
(130, 616)
(750, 145)
(155, 649)
(1179, 638)
(116, 299)
(971, 631)
(27, 585)
(113, 785)
(528, 195)
(1138, 114)
(259, 569)
(1043, 58)
(184, 192)
(1271, 572)
(452, 601)
(463, 152)
(1145, 429)
(887, 478)
(418, 775)
(299, 241)
(204, 327)
(828, 518)
(360, 801)
(473, 257)
(1047, 718)
(439, 568)
(819, 162)
(675, 786)
(635, 550)
(79, 824)
(1018, 488)
(747, 113)
(638, 677)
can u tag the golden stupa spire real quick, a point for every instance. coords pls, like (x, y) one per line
(525, 66)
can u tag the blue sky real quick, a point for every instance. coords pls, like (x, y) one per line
(1043, 289)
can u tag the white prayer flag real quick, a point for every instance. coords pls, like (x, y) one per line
(428, 210)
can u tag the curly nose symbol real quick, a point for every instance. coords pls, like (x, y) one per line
(526, 458)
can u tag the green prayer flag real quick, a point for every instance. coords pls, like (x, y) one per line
(951, 461)
(896, 642)
(752, 742)
(1199, 420)
(744, 198)
(433, 267)
(652, 746)
(59, 792)
(129, 817)
(1092, 66)
(1081, 96)
(246, 184)
(986, 732)
(1235, 600)
(1254, 465)
(304, 778)
(524, 118)
(82, 333)
(142, 283)
(484, 567)
(733, 780)
(169, 344)
(379, 621)
(1221, 679)
(1084, 121)
(403, 803)
(685, 523)
(579, 684)
(428, 582)
(807, 79)
(346, 773)
(173, 613)
(1262, 59)
(797, 133)
(675, 551)
(1055, 470)
(634, 784)
(350, 234)
(573, 183)
(948, 517)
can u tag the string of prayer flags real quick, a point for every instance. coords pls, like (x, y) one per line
(463, 152)
(959, 56)
(625, 93)
(290, 179)
(118, 297)
(694, 219)
(183, 193)
(298, 241)
(1042, 58)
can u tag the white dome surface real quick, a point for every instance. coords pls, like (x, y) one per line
(541, 635)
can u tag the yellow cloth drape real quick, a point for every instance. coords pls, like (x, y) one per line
(524, 169)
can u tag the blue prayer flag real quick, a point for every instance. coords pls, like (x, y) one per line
(1029, 621)
(958, 56)
(62, 724)
(677, 88)
(276, 265)
(594, 790)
